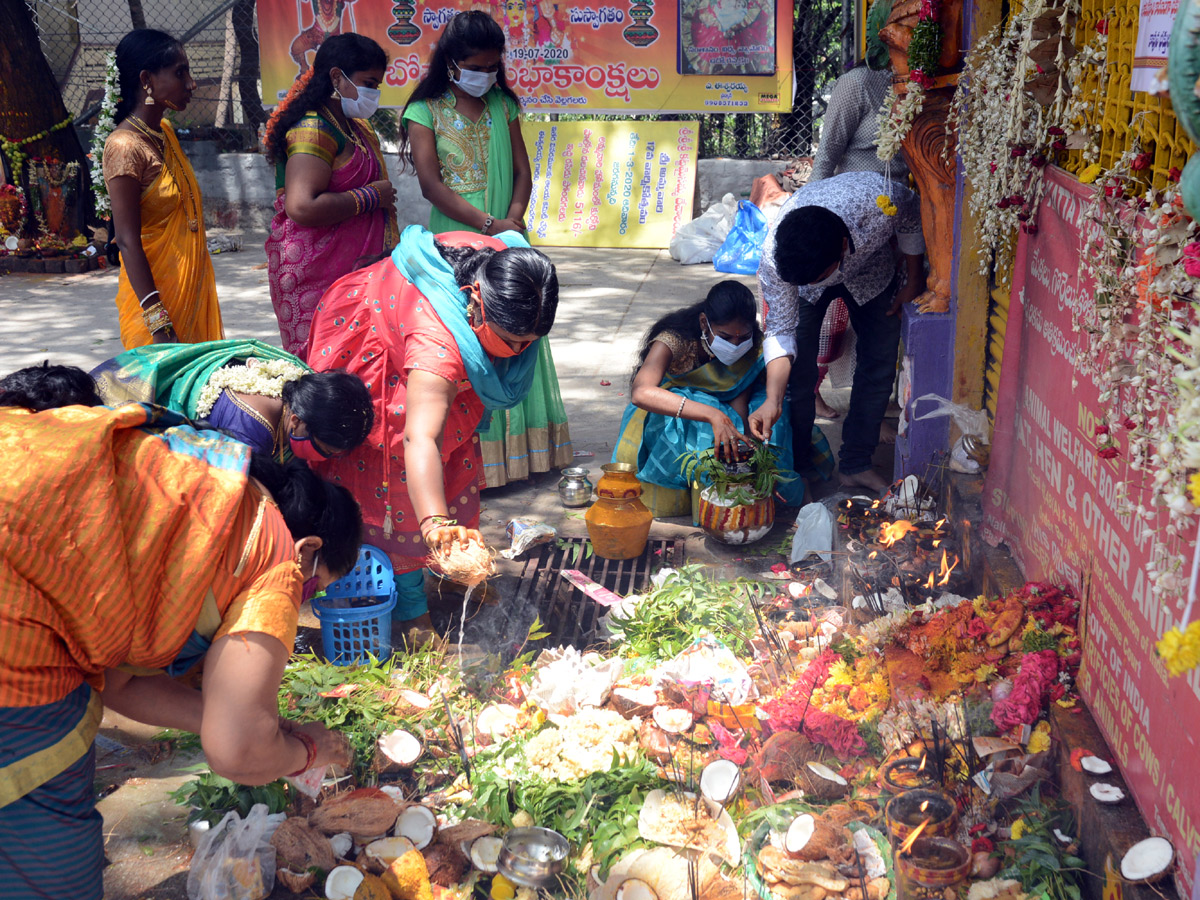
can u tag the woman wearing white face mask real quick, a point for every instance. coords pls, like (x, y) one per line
(463, 134)
(699, 373)
(334, 205)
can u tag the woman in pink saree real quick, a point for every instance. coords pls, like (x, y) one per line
(334, 205)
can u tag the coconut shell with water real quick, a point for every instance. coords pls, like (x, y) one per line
(470, 566)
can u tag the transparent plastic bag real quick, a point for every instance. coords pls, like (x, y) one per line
(696, 241)
(814, 533)
(235, 860)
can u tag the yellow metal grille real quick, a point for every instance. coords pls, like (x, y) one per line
(1117, 111)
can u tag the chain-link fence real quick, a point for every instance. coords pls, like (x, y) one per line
(222, 44)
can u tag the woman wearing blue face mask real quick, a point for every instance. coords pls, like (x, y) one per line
(699, 373)
(463, 134)
(334, 205)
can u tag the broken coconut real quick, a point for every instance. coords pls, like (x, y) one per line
(342, 882)
(1094, 765)
(634, 701)
(498, 721)
(485, 853)
(364, 813)
(635, 889)
(1106, 793)
(418, 824)
(341, 844)
(720, 780)
(822, 782)
(672, 721)
(446, 864)
(372, 887)
(809, 838)
(784, 755)
(465, 831)
(401, 748)
(296, 882)
(384, 850)
(299, 847)
(1148, 860)
(410, 701)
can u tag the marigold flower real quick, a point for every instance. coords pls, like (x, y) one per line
(1194, 488)
(1018, 829)
(1091, 173)
(1180, 650)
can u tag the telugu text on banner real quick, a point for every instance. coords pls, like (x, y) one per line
(610, 184)
(622, 56)
(1155, 18)
(1055, 503)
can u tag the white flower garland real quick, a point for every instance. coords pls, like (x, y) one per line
(264, 378)
(896, 118)
(104, 127)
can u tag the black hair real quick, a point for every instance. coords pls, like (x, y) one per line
(142, 50)
(808, 240)
(312, 506)
(519, 285)
(352, 53)
(466, 34)
(43, 387)
(336, 407)
(726, 301)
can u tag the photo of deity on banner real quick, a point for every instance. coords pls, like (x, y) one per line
(727, 37)
(326, 22)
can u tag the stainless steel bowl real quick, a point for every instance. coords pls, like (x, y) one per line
(533, 857)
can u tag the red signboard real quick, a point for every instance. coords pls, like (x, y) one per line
(1054, 502)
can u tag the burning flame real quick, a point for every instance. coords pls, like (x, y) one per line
(929, 583)
(937, 543)
(921, 768)
(924, 805)
(797, 590)
(938, 524)
(912, 838)
(894, 531)
(875, 505)
(944, 570)
(872, 554)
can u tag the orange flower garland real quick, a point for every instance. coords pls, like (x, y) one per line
(296, 89)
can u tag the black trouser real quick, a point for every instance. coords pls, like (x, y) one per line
(878, 339)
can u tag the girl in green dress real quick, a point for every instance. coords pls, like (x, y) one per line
(462, 132)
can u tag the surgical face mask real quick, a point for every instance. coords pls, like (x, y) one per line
(304, 448)
(475, 83)
(830, 280)
(364, 105)
(726, 351)
(310, 585)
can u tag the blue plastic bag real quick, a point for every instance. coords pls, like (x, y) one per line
(741, 251)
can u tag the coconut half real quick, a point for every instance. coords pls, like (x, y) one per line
(497, 721)
(798, 835)
(485, 853)
(342, 882)
(412, 701)
(635, 889)
(342, 844)
(1148, 860)
(1094, 765)
(671, 720)
(823, 782)
(387, 849)
(1106, 793)
(401, 748)
(720, 780)
(634, 701)
(418, 824)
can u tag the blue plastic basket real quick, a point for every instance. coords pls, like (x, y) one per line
(349, 635)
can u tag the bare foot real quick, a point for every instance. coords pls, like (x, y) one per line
(869, 479)
(887, 433)
(824, 410)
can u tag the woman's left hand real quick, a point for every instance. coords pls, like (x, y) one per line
(509, 224)
(442, 538)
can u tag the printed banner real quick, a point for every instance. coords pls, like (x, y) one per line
(1053, 501)
(1155, 18)
(626, 56)
(610, 184)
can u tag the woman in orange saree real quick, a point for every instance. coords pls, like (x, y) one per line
(167, 291)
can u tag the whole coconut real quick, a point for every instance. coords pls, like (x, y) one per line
(783, 757)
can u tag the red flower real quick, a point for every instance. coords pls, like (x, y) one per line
(991, 167)
(1059, 145)
(1174, 174)
(978, 629)
(1102, 26)
(1058, 691)
(1101, 429)
(1055, 130)
(1129, 424)
(977, 829)
(1037, 160)
(1141, 161)
(1030, 228)
(736, 755)
(982, 845)
(1108, 452)
(1003, 203)
(1018, 151)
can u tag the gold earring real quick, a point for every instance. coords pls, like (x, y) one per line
(149, 96)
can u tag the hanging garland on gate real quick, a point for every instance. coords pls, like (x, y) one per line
(105, 123)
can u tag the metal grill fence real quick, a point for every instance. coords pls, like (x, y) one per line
(222, 44)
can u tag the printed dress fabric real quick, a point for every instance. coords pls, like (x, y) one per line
(173, 239)
(477, 164)
(302, 260)
(76, 608)
(377, 325)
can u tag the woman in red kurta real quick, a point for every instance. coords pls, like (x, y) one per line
(439, 333)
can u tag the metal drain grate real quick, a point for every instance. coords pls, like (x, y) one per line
(567, 613)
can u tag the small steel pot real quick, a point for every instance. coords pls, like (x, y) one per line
(574, 488)
(533, 857)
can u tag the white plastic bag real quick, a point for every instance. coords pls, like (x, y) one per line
(972, 422)
(566, 681)
(814, 533)
(235, 860)
(698, 241)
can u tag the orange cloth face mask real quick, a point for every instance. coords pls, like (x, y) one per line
(492, 344)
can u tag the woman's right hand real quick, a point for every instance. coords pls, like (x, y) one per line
(442, 538)
(332, 746)
(387, 194)
(500, 225)
(725, 436)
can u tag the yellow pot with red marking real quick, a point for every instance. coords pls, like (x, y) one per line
(735, 516)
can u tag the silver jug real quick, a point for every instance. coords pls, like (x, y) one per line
(574, 488)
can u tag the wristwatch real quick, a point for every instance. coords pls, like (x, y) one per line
(488, 222)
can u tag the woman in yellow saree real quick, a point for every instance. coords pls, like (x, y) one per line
(167, 291)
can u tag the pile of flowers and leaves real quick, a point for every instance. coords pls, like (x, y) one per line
(1142, 349)
(898, 112)
(1018, 108)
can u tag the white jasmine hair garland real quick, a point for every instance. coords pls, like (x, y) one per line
(264, 378)
(105, 123)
